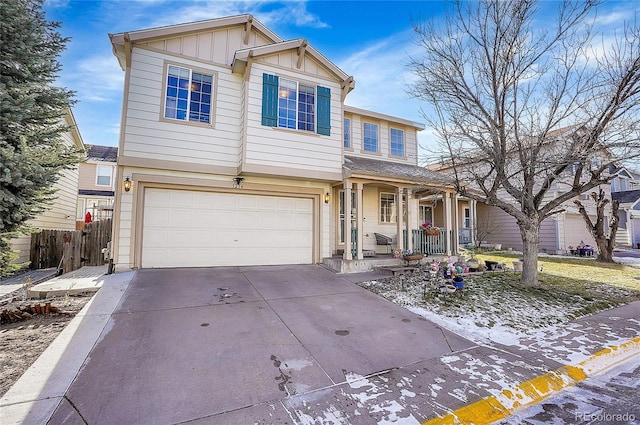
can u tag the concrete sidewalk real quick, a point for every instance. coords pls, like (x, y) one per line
(35, 396)
(295, 344)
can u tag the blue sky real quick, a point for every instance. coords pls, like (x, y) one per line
(370, 40)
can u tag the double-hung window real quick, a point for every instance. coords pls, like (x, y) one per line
(347, 133)
(103, 175)
(397, 142)
(370, 139)
(292, 104)
(188, 95)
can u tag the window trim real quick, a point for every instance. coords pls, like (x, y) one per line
(404, 143)
(466, 217)
(214, 94)
(110, 167)
(394, 211)
(349, 133)
(364, 150)
(297, 121)
(271, 108)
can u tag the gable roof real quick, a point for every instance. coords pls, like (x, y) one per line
(121, 41)
(302, 45)
(102, 153)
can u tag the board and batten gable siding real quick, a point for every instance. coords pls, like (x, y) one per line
(148, 135)
(216, 46)
(289, 60)
(287, 148)
(384, 137)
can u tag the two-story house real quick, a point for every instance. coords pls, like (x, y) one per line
(491, 226)
(61, 213)
(96, 184)
(625, 188)
(237, 148)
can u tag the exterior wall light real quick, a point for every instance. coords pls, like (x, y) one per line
(238, 182)
(127, 184)
(327, 198)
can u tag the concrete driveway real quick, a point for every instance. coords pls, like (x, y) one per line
(232, 345)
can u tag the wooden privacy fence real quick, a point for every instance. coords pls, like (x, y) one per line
(71, 250)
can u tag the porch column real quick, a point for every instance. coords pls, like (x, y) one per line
(455, 242)
(399, 215)
(410, 220)
(359, 219)
(347, 221)
(472, 213)
(446, 211)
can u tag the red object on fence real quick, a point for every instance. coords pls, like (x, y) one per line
(87, 218)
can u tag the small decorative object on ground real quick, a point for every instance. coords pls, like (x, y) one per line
(584, 249)
(458, 282)
(430, 229)
(517, 266)
(413, 257)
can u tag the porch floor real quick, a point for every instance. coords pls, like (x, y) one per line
(367, 264)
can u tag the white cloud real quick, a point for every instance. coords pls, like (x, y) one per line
(270, 13)
(95, 78)
(382, 82)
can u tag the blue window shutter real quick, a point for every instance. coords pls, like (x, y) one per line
(324, 111)
(270, 100)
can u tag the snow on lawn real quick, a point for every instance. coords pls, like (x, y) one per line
(495, 307)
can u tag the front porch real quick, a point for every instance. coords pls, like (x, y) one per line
(380, 261)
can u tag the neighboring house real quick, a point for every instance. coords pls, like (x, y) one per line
(625, 188)
(97, 184)
(557, 233)
(62, 211)
(490, 226)
(241, 151)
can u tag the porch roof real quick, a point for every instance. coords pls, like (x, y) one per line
(366, 167)
(626, 197)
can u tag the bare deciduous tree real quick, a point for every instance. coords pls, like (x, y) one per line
(598, 229)
(529, 113)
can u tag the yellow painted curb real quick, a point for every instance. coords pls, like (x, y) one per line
(494, 408)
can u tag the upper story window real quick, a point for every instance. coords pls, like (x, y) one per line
(296, 105)
(397, 142)
(104, 174)
(291, 104)
(347, 133)
(188, 95)
(370, 139)
(624, 184)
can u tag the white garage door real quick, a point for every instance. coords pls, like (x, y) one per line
(190, 229)
(576, 230)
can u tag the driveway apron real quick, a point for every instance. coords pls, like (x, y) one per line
(228, 345)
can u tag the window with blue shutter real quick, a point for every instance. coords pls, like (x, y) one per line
(270, 100)
(324, 111)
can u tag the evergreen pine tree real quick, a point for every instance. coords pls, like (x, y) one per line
(32, 108)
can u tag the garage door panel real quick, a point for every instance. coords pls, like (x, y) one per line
(188, 228)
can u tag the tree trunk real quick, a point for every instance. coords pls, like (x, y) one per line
(531, 246)
(605, 244)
